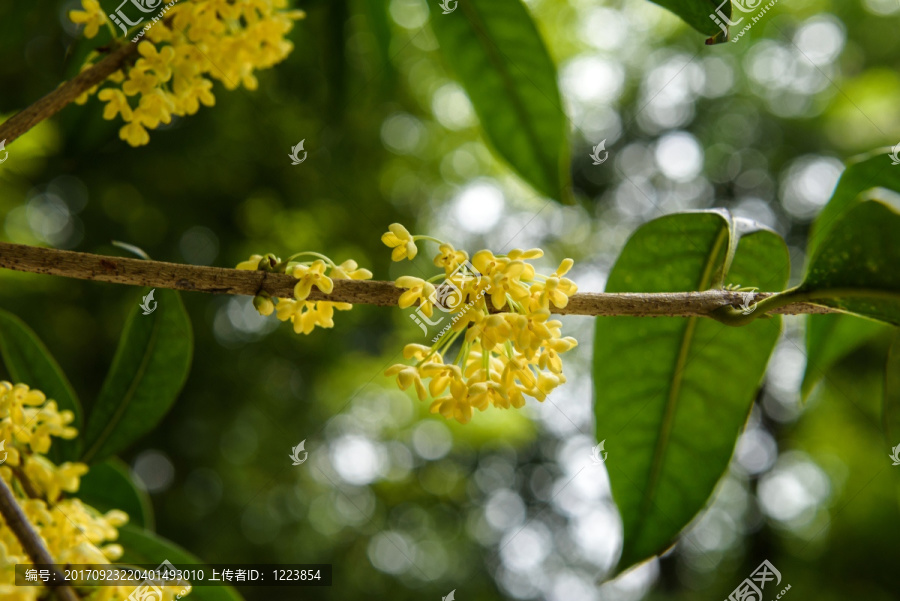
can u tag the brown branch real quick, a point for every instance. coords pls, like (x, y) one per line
(218, 280)
(26, 484)
(56, 100)
(30, 540)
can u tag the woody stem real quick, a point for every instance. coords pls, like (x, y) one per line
(56, 100)
(218, 280)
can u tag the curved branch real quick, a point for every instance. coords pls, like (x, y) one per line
(56, 100)
(218, 280)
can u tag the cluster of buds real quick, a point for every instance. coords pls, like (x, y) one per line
(508, 347)
(321, 273)
(181, 53)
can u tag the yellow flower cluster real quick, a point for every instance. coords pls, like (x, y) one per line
(321, 273)
(28, 419)
(508, 345)
(223, 39)
(72, 531)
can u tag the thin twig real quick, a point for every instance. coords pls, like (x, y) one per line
(56, 100)
(26, 484)
(218, 280)
(27, 536)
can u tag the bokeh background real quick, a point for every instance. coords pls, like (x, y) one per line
(510, 506)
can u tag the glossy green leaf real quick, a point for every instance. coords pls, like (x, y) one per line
(29, 362)
(855, 266)
(830, 338)
(696, 13)
(108, 485)
(150, 367)
(872, 170)
(673, 394)
(495, 50)
(891, 408)
(144, 547)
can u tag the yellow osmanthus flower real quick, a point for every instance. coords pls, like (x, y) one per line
(72, 531)
(140, 80)
(135, 134)
(309, 276)
(401, 241)
(499, 311)
(305, 315)
(159, 61)
(182, 53)
(556, 289)
(92, 17)
(116, 104)
(348, 270)
(449, 257)
(252, 264)
(417, 289)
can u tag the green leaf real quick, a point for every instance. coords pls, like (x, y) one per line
(29, 362)
(495, 50)
(108, 485)
(150, 367)
(142, 546)
(891, 408)
(672, 394)
(696, 13)
(378, 20)
(855, 266)
(830, 338)
(872, 170)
